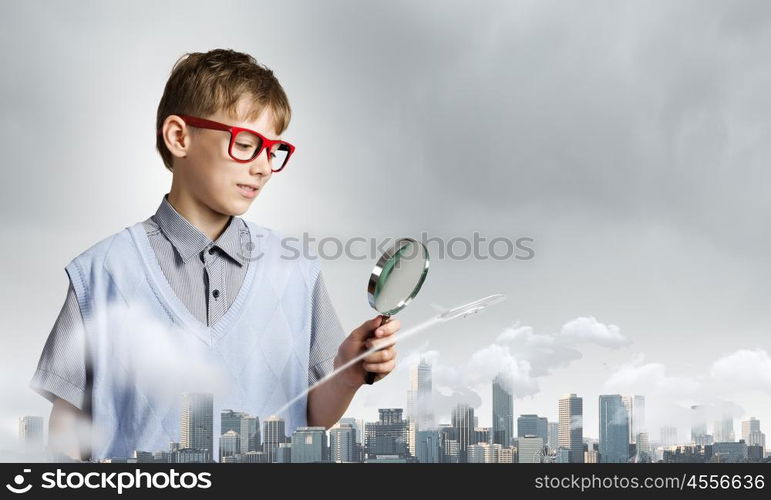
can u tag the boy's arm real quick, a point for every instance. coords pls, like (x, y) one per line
(69, 431)
(330, 349)
(329, 401)
(326, 336)
(62, 378)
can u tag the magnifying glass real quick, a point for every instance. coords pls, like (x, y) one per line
(396, 280)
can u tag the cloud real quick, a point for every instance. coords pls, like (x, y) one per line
(448, 384)
(157, 363)
(521, 356)
(443, 404)
(650, 379)
(444, 377)
(518, 357)
(544, 352)
(675, 400)
(498, 360)
(590, 330)
(668, 397)
(745, 369)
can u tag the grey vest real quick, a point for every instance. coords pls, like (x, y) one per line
(146, 349)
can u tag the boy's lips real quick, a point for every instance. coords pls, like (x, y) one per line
(248, 190)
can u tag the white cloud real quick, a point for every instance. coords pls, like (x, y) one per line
(588, 329)
(158, 364)
(496, 359)
(519, 355)
(544, 352)
(745, 369)
(669, 398)
(650, 379)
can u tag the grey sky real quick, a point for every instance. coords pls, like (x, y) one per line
(629, 139)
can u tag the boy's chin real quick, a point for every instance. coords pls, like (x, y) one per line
(238, 208)
(228, 208)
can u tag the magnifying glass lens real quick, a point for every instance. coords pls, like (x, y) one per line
(396, 279)
(400, 278)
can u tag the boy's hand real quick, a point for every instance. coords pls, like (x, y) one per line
(381, 362)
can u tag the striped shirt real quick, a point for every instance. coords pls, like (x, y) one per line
(206, 275)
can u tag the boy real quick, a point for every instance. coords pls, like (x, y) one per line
(195, 298)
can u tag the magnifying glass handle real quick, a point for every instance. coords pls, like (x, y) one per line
(370, 378)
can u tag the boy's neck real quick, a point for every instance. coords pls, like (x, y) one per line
(209, 222)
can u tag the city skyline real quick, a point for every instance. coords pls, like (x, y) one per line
(398, 436)
(715, 411)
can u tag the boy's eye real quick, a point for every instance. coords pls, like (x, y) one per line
(250, 146)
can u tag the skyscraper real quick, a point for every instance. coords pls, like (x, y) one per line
(533, 425)
(309, 444)
(229, 444)
(342, 443)
(643, 444)
(475, 454)
(699, 426)
(635, 408)
(507, 455)
(529, 449)
(282, 454)
(724, 429)
(388, 436)
(614, 429)
(668, 435)
(250, 434)
(503, 411)
(230, 421)
(412, 430)
(31, 432)
(420, 407)
(448, 442)
(571, 431)
(554, 435)
(751, 433)
(197, 422)
(427, 448)
(273, 434)
(463, 422)
(482, 435)
(358, 424)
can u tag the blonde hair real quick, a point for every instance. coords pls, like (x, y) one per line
(201, 84)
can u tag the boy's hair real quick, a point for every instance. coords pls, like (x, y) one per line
(201, 84)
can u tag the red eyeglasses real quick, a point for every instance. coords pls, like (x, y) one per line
(245, 144)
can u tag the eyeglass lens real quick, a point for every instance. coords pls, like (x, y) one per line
(247, 144)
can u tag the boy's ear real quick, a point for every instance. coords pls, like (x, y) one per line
(176, 136)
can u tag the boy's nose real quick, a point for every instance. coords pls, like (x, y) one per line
(261, 165)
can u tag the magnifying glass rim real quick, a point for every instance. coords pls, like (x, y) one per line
(378, 269)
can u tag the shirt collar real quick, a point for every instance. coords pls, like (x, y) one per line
(189, 241)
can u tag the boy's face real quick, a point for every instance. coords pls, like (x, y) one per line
(206, 172)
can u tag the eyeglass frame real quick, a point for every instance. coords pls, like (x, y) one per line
(234, 131)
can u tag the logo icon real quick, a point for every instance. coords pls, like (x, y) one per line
(19, 480)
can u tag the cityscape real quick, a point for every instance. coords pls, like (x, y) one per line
(415, 437)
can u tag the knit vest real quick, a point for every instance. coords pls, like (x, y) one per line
(147, 353)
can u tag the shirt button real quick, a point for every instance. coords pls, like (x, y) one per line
(216, 293)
